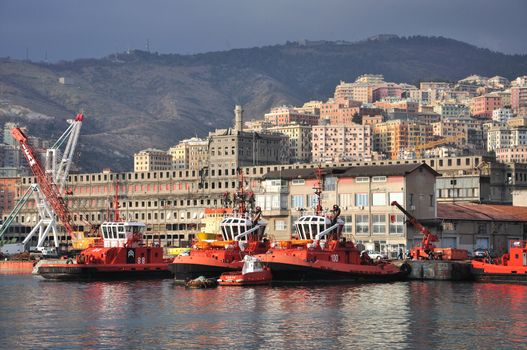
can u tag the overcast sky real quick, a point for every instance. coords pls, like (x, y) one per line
(69, 29)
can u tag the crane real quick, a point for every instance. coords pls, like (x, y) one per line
(426, 249)
(48, 191)
(428, 145)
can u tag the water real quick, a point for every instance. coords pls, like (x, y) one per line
(36, 313)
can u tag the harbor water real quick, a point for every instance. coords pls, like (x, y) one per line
(35, 313)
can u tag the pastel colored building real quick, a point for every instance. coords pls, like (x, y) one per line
(502, 115)
(299, 141)
(393, 136)
(483, 106)
(339, 111)
(286, 115)
(516, 154)
(519, 100)
(151, 160)
(335, 143)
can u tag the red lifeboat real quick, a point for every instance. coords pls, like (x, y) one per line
(253, 273)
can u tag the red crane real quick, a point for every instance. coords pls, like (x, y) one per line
(426, 248)
(48, 187)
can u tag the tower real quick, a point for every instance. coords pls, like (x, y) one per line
(238, 118)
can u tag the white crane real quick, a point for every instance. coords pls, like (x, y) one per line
(57, 170)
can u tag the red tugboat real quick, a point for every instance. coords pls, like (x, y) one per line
(252, 273)
(242, 233)
(120, 254)
(322, 255)
(510, 268)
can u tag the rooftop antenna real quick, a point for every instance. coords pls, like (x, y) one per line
(148, 45)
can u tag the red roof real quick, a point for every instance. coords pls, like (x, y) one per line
(487, 212)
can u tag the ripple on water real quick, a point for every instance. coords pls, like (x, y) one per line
(160, 314)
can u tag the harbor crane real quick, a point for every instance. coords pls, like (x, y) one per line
(426, 249)
(49, 190)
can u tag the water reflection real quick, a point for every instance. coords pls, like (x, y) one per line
(159, 314)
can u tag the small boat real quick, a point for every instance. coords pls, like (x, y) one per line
(119, 254)
(510, 268)
(252, 273)
(201, 282)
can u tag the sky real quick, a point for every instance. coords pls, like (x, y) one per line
(70, 29)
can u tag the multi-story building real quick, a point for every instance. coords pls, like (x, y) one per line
(387, 90)
(513, 154)
(502, 115)
(395, 135)
(232, 148)
(498, 82)
(8, 192)
(408, 107)
(372, 119)
(179, 154)
(190, 154)
(483, 106)
(152, 159)
(452, 110)
(448, 128)
(427, 117)
(517, 121)
(364, 195)
(286, 115)
(519, 99)
(505, 137)
(336, 143)
(339, 111)
(299, 141)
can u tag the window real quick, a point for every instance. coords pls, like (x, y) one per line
(297, 201)
(379, 199)
(362, 179)
(361, 224)
(330, 183)
(378, 179)
(348, 224)
(396, 196)
(279, 225)
(411, 199)
(298, 182)
(396, 224)
(345, 200)
(431, 200)
(379, 223)
(361, 200)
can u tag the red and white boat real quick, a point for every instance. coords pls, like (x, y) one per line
(242, 233)
(119, 254)
(252, 273)
(510, 268)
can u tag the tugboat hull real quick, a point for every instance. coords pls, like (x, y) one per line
(518, 277)
(292, 273)
(73, 272)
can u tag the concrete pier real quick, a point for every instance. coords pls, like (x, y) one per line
(440, 270)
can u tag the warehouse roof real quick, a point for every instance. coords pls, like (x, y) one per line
(371, 170)
(485, 212)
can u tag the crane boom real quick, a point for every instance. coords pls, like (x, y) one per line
(428, 237)
(48, 188)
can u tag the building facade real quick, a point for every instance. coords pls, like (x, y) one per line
(337, 143)
(152, 159)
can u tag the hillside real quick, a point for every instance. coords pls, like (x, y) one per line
(137, 100)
